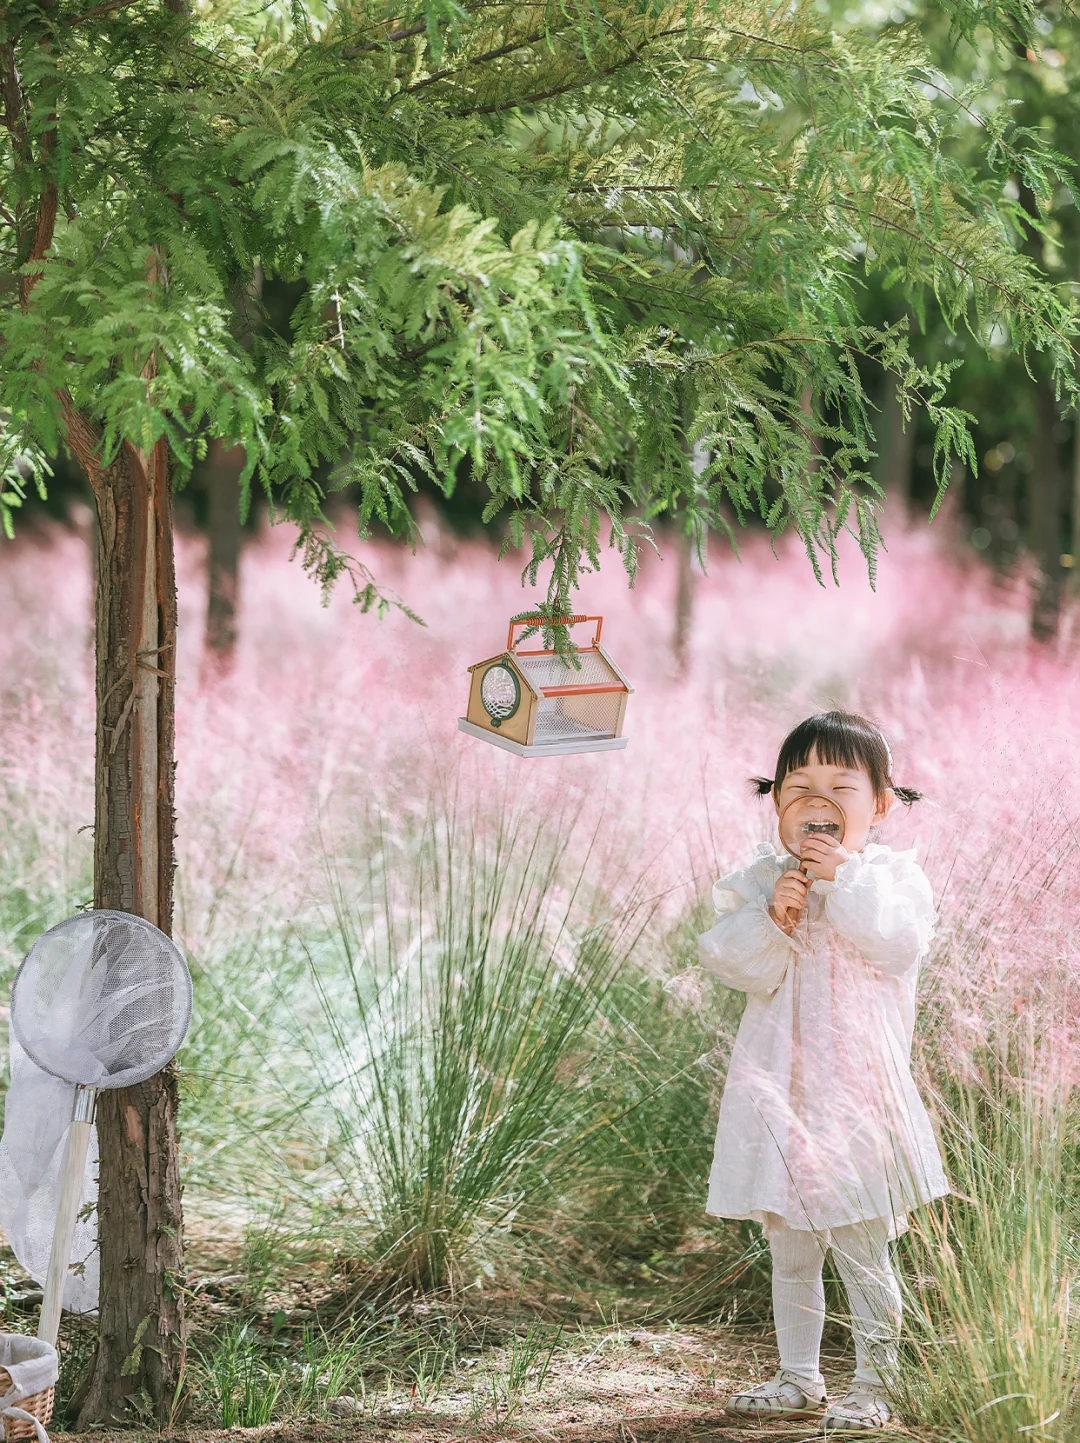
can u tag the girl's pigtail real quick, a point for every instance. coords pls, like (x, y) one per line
(907, 795)
(761, 786)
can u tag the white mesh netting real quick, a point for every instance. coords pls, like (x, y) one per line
(37, 1115)
(554, 671)
(577, 714)
(103, 999)
(591, 715)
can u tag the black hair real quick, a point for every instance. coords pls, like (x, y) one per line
(840, 739)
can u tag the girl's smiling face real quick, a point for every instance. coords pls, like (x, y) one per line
(850, 788)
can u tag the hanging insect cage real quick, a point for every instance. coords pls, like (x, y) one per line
(540, 704)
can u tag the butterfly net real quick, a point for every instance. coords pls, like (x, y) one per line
(103, 999)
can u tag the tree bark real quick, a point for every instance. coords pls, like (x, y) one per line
(1045, 492)
(223, 482)
(141, 1342)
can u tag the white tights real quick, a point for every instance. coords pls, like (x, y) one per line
(861, 1256)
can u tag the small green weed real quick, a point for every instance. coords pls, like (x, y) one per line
(246, 1389)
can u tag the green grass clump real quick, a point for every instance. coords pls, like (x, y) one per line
(480, 1054)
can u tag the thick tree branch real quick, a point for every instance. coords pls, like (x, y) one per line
(351, 51)
(34, 234)
(98, 10)
(82, 436)
(578, 83)
(483, 59)
(15, 121)
(44, 223)
(14, 110)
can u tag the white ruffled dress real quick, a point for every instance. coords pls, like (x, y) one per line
(820, 1120)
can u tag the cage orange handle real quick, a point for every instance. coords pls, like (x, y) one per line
(560, 620)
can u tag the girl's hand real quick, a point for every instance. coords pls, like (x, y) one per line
(824, 854)
(789, 899)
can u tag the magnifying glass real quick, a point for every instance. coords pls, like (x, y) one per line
(810, 816)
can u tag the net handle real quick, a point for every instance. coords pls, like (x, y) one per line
(511, 642)
(67, 1211)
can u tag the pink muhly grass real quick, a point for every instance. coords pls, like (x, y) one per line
(330, 717)
(328, 712)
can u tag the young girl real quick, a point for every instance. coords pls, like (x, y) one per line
(823, 1138)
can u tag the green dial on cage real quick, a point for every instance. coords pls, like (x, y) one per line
(500, 693)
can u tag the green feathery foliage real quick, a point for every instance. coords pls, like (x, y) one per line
(528, 242)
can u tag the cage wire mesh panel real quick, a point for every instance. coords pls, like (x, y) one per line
(595, 715)
(102, 999)
(580, 713)
(545, 671)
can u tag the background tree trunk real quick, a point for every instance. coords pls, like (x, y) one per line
(1046, 489)
(806, 406)
(223, 469)
(1046, 484)
(141, 1315)
(684, 561)
(896, 448)
(1074, 548)
(684, 597)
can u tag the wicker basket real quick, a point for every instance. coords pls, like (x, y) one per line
(39, 1405)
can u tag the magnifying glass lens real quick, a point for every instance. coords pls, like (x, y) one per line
(810, 816)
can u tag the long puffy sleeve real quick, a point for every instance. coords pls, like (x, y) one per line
(745, 949)
(881, 901)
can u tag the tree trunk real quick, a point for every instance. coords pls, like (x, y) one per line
(896, 448)
(223, 481)
(141, 1315)
(684, 560)
(224, 468)
(1046, 483)
(1074, 549)
(1045, 493)
(684, 597)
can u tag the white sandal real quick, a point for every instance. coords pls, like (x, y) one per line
(862, 1409)
(785, 1395)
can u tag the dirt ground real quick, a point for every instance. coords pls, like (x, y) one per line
(619, 1383)
(631, 1385)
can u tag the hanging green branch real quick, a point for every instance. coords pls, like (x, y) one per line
(530, 243)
